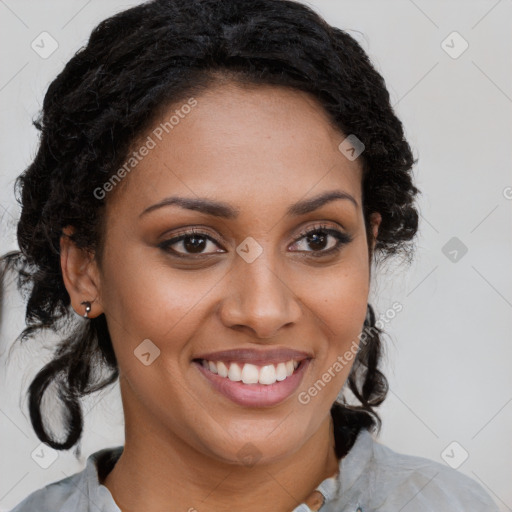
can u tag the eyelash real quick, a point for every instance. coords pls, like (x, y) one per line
(342, 240)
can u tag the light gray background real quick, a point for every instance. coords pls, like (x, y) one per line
(449, 350)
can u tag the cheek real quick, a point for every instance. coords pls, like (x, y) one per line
(338, 302)
(343, 315)
(149, 300)
(340, 318)
(146, 291)
(338, 296)
(343, 304)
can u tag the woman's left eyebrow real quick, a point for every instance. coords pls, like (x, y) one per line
(226, 211)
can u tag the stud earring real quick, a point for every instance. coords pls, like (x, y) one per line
(87, 308)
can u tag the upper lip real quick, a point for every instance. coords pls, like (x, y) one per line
(257, 357)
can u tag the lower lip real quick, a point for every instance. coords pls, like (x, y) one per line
(256, 395)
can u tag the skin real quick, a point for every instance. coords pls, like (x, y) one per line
(260, 149)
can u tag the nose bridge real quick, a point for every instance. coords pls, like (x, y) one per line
(258, 297)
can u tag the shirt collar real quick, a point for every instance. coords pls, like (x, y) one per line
(350, 469)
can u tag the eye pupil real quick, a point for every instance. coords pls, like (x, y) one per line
(314, 238)
(194, 246)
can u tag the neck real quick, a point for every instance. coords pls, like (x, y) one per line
(157, 469)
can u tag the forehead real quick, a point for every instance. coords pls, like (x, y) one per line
(244, 144)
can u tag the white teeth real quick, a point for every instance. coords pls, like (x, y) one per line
(268, 374)
(251, 374)
(281, 372)
(235, 373)
(222, 369)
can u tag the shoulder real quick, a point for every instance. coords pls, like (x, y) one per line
(77, 492)
(429, 485)
(52, 497)
(394, 481)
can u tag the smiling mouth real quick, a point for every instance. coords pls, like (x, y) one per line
(248, 373)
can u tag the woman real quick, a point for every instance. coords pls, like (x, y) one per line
(213, 182)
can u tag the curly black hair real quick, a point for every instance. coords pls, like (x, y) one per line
(138, 62)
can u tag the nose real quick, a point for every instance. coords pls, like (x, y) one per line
(259, 300)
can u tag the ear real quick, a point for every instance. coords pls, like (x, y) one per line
(80, 274)
(375, 220)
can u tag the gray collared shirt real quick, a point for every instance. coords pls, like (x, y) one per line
(372, 478)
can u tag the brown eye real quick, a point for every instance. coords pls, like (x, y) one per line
(322, 240)
(191, 243)
(194, 244)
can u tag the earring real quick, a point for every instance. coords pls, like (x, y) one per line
(87, 308)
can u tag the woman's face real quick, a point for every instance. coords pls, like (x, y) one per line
(250, 166)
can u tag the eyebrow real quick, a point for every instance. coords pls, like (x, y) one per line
(226, 211)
